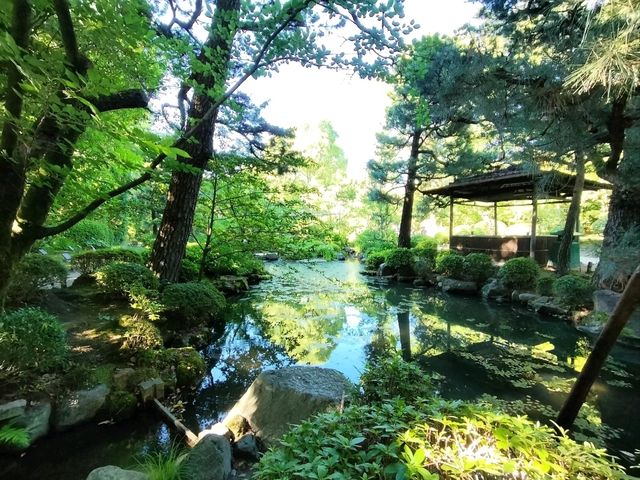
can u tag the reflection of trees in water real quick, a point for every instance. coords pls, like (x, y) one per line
(404, 328)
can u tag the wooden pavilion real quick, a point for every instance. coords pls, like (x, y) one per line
(509, 185)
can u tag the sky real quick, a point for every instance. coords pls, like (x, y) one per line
(355, 107)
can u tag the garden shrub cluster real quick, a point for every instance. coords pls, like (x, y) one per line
(574, 291)
(400, 258)
(33, 273)
(544, 284)
(450, 264)
(477, 267)
(375, 259)
(140, 335)
(32, 340)
(520, 273)
(119, 278)
(91, 233)
(92, 260)
(192, 303)
(372, 241)
(390, 376)
(219, 263)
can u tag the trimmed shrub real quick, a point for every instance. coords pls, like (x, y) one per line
(390, 377)
(192, 303)
(33, 273)
(32, 340)
(519, 273)
(91, 233)
(450, 264)
(119, 278)
(140, 335)
(371, 241)
(400, 258)
(375, 259)
(92, 260)
(478, 267)
(425, 253)
(544, 284)
(574, 291)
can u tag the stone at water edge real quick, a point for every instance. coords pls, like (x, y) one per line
(246, 446)
(453, 285)
(606, 300)
(210, 459)
(111, 472)
(278, 399)
(79, 406)
(36, 420)
(12, 409)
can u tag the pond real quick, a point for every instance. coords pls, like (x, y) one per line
(328, 314)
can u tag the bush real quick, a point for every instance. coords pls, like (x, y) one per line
(190, 367)
(477, 267)
(440, 439)
(544, 284)
(92, 260)
(390, 377)
(574, 291)
(120, 405)
(375, 259)
(32, 340)
(119, 278)
(425, 252)
(371, 241)
(519, 273)
(400, 258)
(450, 264)
(220, 263)
(193, 303)
(140, 335)
(91, 233)
(33, 273)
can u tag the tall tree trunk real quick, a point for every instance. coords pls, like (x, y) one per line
(177, 219)
(404, 234)
(619, 318)
(621, 244)
(573, 214)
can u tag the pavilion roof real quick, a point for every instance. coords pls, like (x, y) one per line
(514, 183)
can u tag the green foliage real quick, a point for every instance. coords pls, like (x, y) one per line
(376, 258)
(222, 261)
(400, 258)
(520, 273)
(119, 278)
(574, 291)
(450, 264)
(193, 303)
(164, 466)
(426, 247)
(92, 260)
(478, 267)
(544, 284)
(32, 340)
(391, 376)
(91, 233)
(435, 440)
(33, 273)
(13, 436)
(190, 366)
(146, 301)
(140, 335)
(120, 404)
(371, 241)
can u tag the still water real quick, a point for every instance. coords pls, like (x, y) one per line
(326, 313)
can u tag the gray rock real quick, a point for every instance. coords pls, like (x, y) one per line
(150, 389)
(527, 297)
(122, 378)
(219, 429)
(79, 407)
(385, 270)
(452, 285)
(546, 306)
(36, 420)
(12, 409)
(115, 473)
(606, 300)
(247, 447)
(280, 398)
(210, 459)
(494, 289)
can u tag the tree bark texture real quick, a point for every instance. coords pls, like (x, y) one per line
(619, 318)
(177, 219)
(573, 214)
(404, 233)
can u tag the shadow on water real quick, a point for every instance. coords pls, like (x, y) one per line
(326, 313)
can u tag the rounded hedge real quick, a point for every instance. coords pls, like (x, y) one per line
(519, 273)
(375, 259)
(477, 267)
(32, 340)
(118, 278)
(91, 233)
(33, 273)
(544, 284)
(399, 258)
(574, 291)
(92, 260)
(450, 264)
(192, 303)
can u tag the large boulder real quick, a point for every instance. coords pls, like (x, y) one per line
(458, 286)
(79, 406)
(606, 300)
(36, 420)
(115, 473)
(385, 270)
(210, 459)
(12, 409)
(495, 290)
(280, 398)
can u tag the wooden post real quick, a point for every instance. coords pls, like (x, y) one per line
(534, 224)
(450, 221)
(191, 437)
(495, 219)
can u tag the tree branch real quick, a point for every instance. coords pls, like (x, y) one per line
(134, 98)
(76, 61)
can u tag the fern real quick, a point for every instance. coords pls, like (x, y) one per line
(13, 436)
